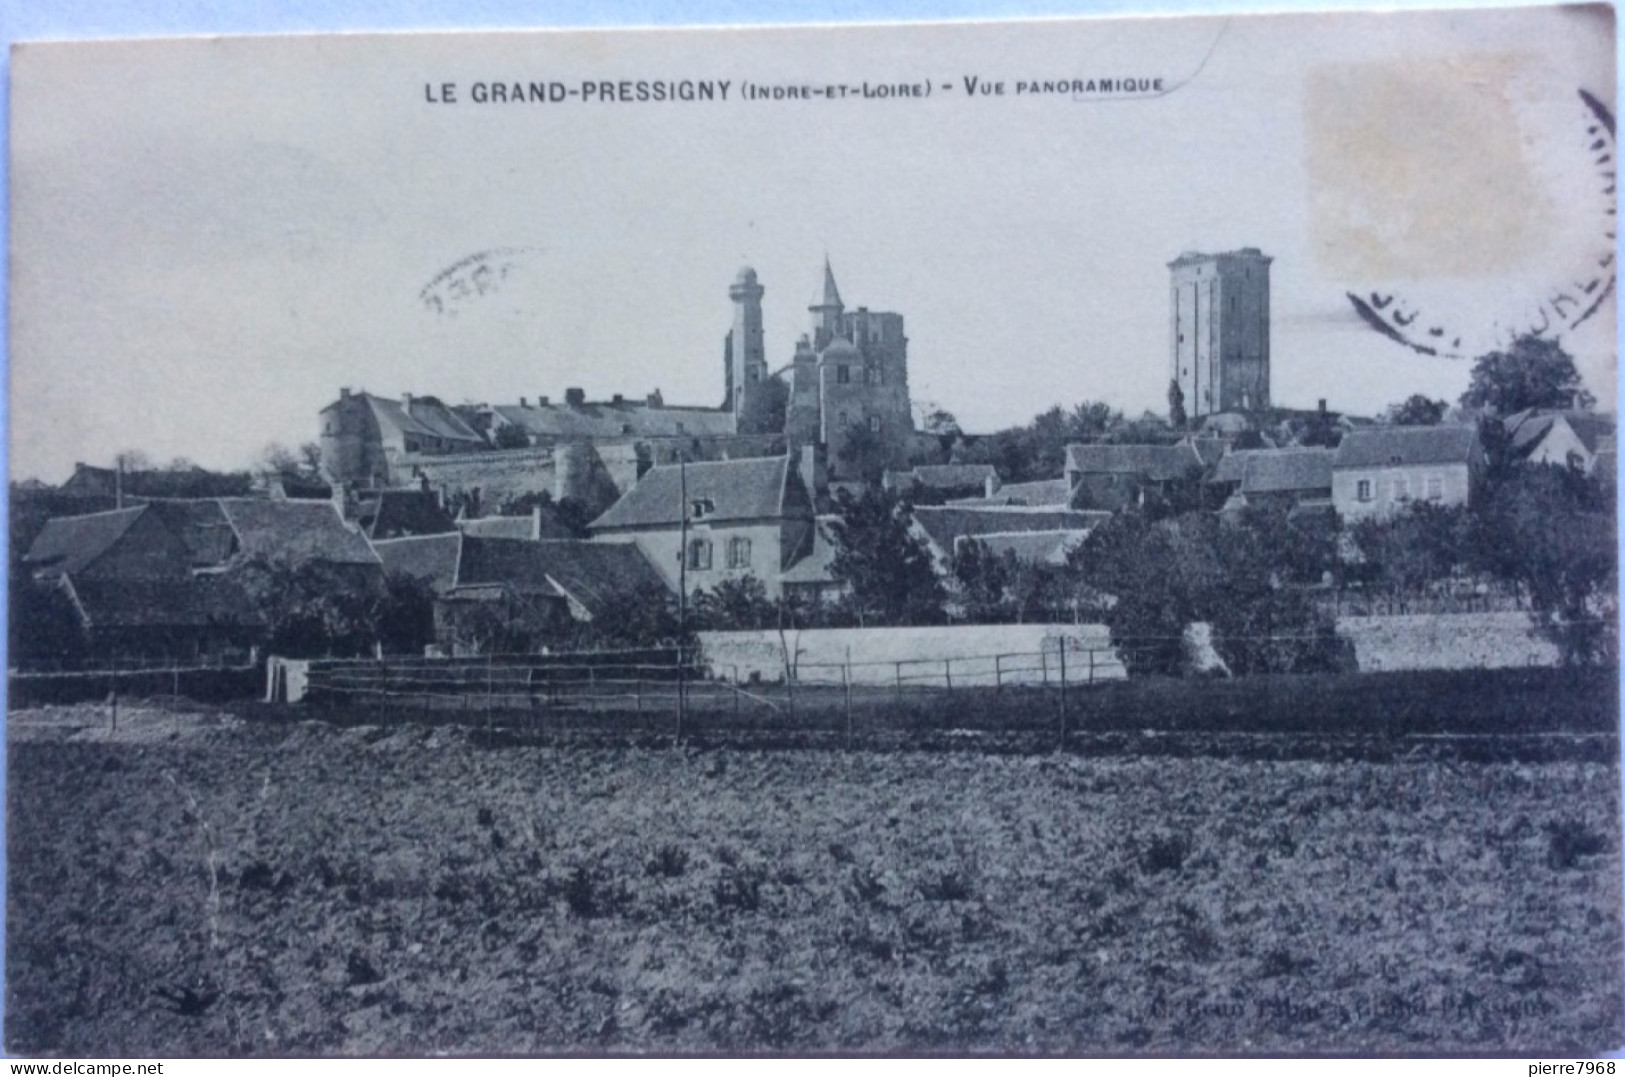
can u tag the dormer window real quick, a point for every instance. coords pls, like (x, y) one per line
(701, 507)
(1395, 460)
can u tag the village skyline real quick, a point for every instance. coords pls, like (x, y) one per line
(221, 265)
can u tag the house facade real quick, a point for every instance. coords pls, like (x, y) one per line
(705, 523)
(1110, 478)
(1380, 472)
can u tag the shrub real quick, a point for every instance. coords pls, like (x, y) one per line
(1165, 852)
(1569, 840)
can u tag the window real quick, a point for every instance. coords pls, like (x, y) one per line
(843, 421)
(739, 553)
(1362, 490)
(699, 554)
(843, 374)
(874, 424)
(1435, 488)
(701, 507)
(1402, 489)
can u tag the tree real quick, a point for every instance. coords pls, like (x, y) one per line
(45, 627)
(1532, 373)
(1551, 530)
(1176, 405)
(511, 436)
(1162, 576)
(313, 609)
(1417, 410)
(865, 454)
(405, 620)
(735, 604)
(889, 571)
(981, 580)
(940, 423)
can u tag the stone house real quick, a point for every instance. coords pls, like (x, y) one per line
(1580, 438)
(1286, 477)
(522, 586)
(1380, 471)
(1038, 535)
(1110, 478)
(750, 517)
(153, 579)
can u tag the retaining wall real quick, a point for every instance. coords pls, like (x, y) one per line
(1446, 641)
(968, 654)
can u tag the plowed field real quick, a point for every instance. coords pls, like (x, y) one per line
(198, 884)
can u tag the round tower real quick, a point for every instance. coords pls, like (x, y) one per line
(747, 356)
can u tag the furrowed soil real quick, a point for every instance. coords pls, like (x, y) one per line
(199, 884)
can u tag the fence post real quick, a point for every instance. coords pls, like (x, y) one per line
(948, 672)
(1043, 663)
(490, 718)
(899, 684)
(682, 699)
(1091, 665)
(637, 682)
(113, 689)
(735, 669)
(1063, 691)
(790, 691)
(998, 674)
(846, 687)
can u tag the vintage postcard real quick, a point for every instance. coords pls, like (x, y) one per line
(1055, 537)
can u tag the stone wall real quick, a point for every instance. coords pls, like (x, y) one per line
(1446, 641)
(980, 655)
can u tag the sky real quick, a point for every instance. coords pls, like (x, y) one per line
(211, 236)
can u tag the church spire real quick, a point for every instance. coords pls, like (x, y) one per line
(827, 313)
(832, 297)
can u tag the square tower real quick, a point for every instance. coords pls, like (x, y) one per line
(1220, 330)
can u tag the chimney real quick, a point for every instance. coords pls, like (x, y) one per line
(1323, 405)
(575, 397)
(617, 399)
(655, 400)
(523, 403)
(541, 402)
(344, 392)
(406, 401)
(811, 471)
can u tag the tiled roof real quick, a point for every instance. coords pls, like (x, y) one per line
(69, 543)
(1157, 463)
(752, 489)
(594, 573)
(202, 526)
(815, 567)
(427, 417)
(627, 419)
(940, 476)
(184, 603)
(943, 524)
(430, 558)
(1529, 428)
(1037, 547)
(1264, 471)
(296, 531)
(397, 513)
(544, 525)
(1387, 446)
(591, 573)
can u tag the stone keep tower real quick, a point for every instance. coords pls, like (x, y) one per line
(745, 357)
(1220, 330)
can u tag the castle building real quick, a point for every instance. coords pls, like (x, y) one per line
(1220, 331)
(848, 387)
